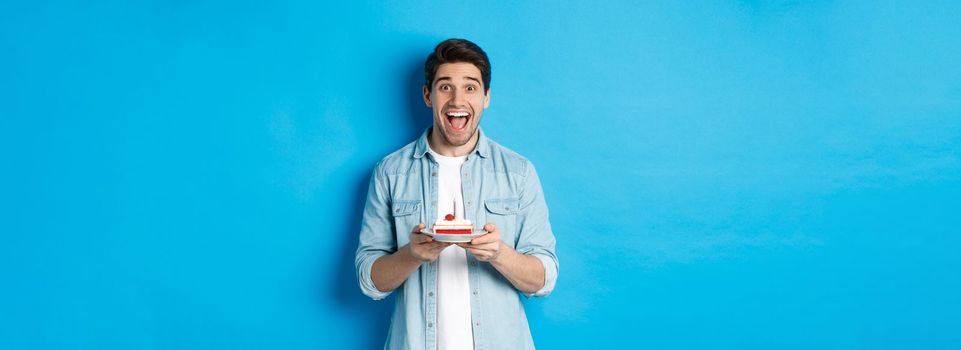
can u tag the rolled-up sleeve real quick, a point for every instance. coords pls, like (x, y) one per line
(376, 233)
(536, 238)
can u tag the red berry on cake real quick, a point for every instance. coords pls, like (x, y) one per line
(449, 217)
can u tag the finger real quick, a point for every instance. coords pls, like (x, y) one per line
(490, 227)
(483, 248)
(439, 245)
(418, 228)
(420, 238)
(480, 254)
(485, 239)
(415, 233)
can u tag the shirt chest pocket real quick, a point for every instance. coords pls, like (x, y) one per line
(406, 215)
(503, 212)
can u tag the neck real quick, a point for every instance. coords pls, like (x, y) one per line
(437, 144)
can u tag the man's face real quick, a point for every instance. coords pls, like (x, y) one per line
(458, 100)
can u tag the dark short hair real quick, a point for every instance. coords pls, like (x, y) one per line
(456, 51)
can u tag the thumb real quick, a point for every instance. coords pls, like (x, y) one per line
(418, 228)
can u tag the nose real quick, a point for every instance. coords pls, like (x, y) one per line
(458, 98)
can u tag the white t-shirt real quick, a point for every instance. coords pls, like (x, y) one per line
(454, 329)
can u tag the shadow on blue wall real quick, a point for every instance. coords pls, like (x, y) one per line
(368, 314)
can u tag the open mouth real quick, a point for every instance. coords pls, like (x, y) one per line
(458, 120)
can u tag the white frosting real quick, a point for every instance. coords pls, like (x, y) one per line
(443, 222)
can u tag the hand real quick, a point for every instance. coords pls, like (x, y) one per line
(486, 247)
(422, 247)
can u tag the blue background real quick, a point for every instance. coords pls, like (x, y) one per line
(720, 174)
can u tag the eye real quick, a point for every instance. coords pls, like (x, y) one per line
(445, 87)
(471, 88)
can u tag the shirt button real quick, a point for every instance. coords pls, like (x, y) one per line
(475, 292)
(431, 324)
(433, 174)
(477, 324)
(430, 294)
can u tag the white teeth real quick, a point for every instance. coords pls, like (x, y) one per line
(457, 114)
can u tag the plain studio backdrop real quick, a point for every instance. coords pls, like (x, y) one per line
(720, 174)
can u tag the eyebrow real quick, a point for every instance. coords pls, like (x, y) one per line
(449, 78)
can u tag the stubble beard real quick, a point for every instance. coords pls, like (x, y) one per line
(459, 142)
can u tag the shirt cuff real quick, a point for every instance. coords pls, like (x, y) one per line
(550, 276)
(366, 283)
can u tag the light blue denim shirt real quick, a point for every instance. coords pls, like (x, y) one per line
(500, 187)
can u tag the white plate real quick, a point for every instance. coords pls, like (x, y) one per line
(449, 238)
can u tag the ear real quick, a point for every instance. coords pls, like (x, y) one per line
(487, 98)
(426, 93)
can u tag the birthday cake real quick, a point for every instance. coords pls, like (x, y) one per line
(452, 226)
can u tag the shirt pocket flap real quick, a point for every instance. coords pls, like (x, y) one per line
(405, 207)
(503, 206)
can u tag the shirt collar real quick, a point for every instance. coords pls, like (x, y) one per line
(482, 149)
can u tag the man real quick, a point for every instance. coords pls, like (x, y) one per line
(463, 295)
